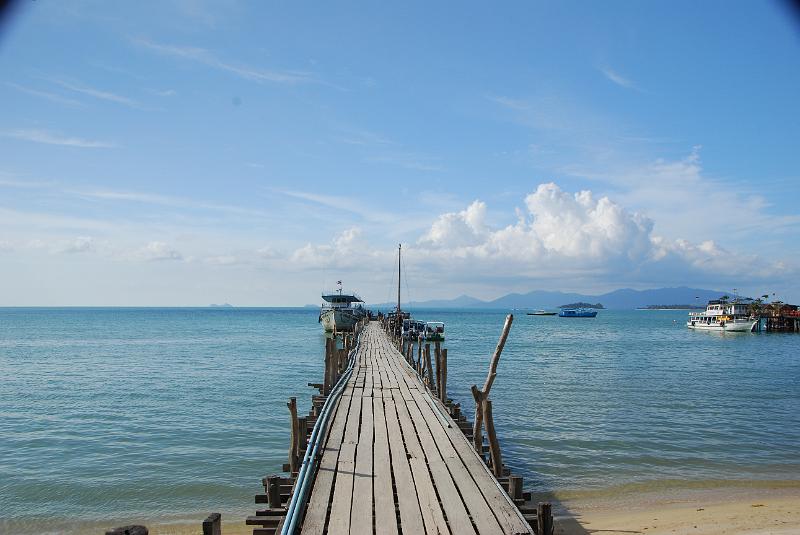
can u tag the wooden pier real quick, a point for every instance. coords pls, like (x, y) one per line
(385, 451)
(398, 456)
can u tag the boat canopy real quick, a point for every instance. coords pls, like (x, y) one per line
(340, 298)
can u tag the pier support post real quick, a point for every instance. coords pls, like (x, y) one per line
(443, 377)
(515, 487)
(302, 435)
(294, 441)
(213, 524)
(428, 367)
(326, 385)
(273, 487)
(419, 354)
(544, 518)
(437, 357)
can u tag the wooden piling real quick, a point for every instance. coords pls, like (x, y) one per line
(213, 524)
(515, 487)
(544, 517)
(273, 488)
(294, 441)
(428, 367)
(443, 377)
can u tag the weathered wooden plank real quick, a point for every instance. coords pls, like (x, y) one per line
(314, 522)
(339, 522)
(498, 501)
(407, 500)
(432, 514)
(434, 437)
(361, 515)
(385, 516)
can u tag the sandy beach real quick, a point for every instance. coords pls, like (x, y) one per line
(721, 511)
(740, 511)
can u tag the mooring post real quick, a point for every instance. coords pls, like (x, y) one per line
(443, 377)
(294, 446)
(128, 530)
(481, 395)
(213, 524)
(544, 517)
(419, 353)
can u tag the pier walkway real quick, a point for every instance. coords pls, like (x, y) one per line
(394, 461)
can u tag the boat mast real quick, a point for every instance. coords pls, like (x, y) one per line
(399, 250)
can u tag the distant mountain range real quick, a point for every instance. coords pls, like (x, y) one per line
(618, 299)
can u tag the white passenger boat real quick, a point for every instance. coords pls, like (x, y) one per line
(721, 315)
(338, 313)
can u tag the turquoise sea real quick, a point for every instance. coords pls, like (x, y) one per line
(118, 414)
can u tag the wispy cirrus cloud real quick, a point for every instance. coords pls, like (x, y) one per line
(45, 95)
(616, 77)
(208, 58)
(51, 138)
(98, 93)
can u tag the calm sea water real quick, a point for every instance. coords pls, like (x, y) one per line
(168, 413)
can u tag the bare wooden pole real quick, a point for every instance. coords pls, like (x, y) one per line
(294, 446)
(481, 395)
(494, 445)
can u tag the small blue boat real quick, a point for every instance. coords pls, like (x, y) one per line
(577, 313)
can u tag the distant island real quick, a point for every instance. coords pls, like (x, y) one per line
(623, 299)
(581, 304)
(671, 307)
(223, 305)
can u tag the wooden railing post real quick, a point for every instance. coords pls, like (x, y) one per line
(294, 441)
(213, 524)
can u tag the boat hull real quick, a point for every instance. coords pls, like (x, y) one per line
(734, 326)
(338, 320)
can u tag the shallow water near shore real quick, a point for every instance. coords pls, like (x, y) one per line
(123, 414)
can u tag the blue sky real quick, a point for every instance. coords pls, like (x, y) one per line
(189, 152)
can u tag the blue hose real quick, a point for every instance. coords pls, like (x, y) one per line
(310, 459)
